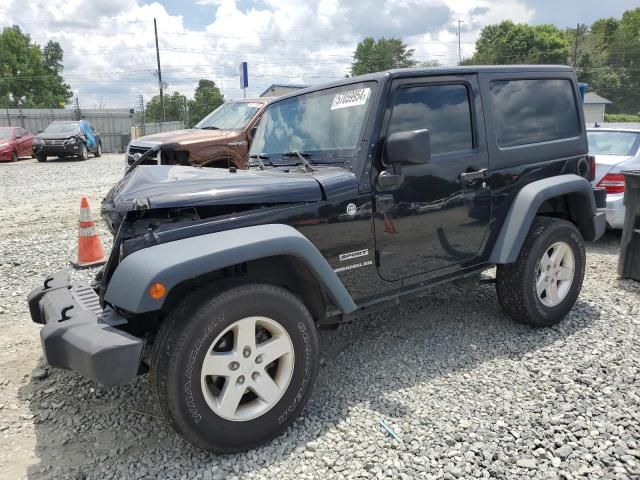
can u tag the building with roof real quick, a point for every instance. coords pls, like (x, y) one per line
(594, 107)
(279, 89)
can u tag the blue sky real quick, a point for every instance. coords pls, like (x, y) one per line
(110, 55)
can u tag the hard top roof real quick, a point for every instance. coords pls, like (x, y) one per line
(410, 72)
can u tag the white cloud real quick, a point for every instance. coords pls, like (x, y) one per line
(109, 44)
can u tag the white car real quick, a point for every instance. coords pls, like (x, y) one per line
(615, 150)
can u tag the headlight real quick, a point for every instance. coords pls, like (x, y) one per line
(72, 140)
(3, 145)
(38, 141)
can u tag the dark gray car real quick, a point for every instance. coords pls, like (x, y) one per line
(64, 139)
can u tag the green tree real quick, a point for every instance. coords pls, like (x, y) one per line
(519, 43)
(608, 59)
(29, 75)
(206, 99)
(175, 108)
(430, 63)
(385, 53)
(624, 59)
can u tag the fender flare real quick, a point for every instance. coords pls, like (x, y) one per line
(526, 204)
(174, 262)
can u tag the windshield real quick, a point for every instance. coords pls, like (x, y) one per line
(613, 143)
(230, 116)
(62, 128)
(328, 123)
(5, 133)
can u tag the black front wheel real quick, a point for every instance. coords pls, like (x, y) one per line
(84, 153)
(543, 284)
(41, 157)
(232, 370)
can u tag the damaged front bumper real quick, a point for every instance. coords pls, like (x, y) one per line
(79, 335)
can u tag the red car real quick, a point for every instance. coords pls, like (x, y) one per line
(15, 142)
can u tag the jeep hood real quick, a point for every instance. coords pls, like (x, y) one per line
(170, 186)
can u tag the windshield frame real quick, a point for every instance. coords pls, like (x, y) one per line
(633, 150)
(320, 157)
(201, 124)
(69, 132)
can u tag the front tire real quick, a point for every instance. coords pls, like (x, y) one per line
(14, 157)
(98, 152)
(543, 284)
(84, 153)
(41, 157)
(232, 370)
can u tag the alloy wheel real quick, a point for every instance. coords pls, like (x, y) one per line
(555, 273)
(247, 369)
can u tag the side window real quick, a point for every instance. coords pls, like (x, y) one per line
(534, 111)
(442, 109)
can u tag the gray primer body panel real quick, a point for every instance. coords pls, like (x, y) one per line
(174, 262)
(525, 207)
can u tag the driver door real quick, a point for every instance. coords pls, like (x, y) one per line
(437, 213)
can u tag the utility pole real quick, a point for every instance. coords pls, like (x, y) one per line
(575, 46)
(141, 107)
(459, 43)
(155, 29)
(76, 109)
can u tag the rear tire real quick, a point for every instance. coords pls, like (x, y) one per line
(41, 158)
(194, 402)
(542, 285)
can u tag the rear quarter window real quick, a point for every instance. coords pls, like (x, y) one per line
(534, 111)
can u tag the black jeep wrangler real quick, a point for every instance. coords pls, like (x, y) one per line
(358, 194)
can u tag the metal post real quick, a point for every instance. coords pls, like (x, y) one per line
(459, 43)
(575, 46)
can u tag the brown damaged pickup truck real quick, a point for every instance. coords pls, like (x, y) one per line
(221, 139)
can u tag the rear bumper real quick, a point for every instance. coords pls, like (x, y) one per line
(78, 335)
(615, 211)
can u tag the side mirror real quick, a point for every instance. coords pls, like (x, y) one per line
(18, 136)
(410, 147)
(39, 131)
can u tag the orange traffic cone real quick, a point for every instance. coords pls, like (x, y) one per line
(90, 251)
(388, 224)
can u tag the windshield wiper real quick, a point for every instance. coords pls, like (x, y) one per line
(260, 157)
(209, 128)
(302, 156)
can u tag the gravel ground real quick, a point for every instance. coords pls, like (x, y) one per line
(469, 393)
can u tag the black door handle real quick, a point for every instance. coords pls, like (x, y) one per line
(473, 176)
(389, 181)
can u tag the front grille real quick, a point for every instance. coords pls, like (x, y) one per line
(55, 142)
(150, 160)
